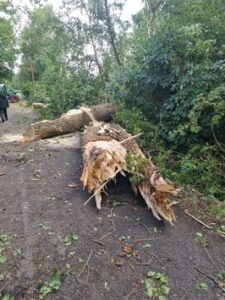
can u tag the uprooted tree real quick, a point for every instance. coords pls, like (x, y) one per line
(107, 150)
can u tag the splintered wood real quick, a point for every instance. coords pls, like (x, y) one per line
(108, 150)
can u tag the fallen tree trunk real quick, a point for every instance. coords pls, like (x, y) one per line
(38, 105)
(108, 150)
(73, 120)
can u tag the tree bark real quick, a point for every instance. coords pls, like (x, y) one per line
(152, 7)
(108, 150)
(111, 33)
(103, 76)
(32, 71)
(70, 122)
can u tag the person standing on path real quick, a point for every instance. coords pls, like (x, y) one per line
(4, 104)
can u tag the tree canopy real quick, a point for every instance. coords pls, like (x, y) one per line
(7, 39)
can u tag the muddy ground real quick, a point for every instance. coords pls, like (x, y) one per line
(45, 229)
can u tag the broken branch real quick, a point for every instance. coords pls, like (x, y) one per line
(197, 220)
(85, 265)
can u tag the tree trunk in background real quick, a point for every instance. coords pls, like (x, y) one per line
(97, 60)
(93, 43)
(111, 33)
(32, 71)
(70, 122)
(152, 7)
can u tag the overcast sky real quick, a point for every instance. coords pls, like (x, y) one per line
(131, 7)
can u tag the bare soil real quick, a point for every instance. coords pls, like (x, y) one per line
(41, 203)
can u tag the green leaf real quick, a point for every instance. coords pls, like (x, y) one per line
(69, 238)
(147, 246)
(199, 235)
(2, 259)
(151, 274)
(6, 297)
(115, 203)
(221, 276)
(157, 285)
(202, 286)
(2, 276)
(149, 288)
(17, 252)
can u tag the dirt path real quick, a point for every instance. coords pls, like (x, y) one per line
(46, 229)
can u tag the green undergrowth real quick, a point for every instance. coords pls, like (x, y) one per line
(200, 166)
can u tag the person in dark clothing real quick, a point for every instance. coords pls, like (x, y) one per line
(4, 104)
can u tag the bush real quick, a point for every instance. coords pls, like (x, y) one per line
(201, 166)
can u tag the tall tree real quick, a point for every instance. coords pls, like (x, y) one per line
(111, 31)
(43, 44)
(97, 24)
(7, 40)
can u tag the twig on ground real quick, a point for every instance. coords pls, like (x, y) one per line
(134, 292)
(2, 173)
(99, 242)
(144, 264)
(112, 220)
(148, 239)
(5, 285)
(126, 219)
(146, 227)
(105, 235)
(215, 281)
(113, 226)
(142, 224)
(85, 265)
(156, 258)
(131, 266)
(197, 220)
(210, 257)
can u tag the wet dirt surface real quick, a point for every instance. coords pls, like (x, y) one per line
(45, 228)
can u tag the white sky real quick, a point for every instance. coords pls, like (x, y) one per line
(131, 7)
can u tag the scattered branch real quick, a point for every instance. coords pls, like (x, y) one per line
(197, 220)
(210, 257)
(215, 281)
(144, 264)
(134, 292)
(85, 265)
(131, 266)
(154, 256)
(105, 235)
(4, 285)
(112, 220)
(148, 239)
(99, 242)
